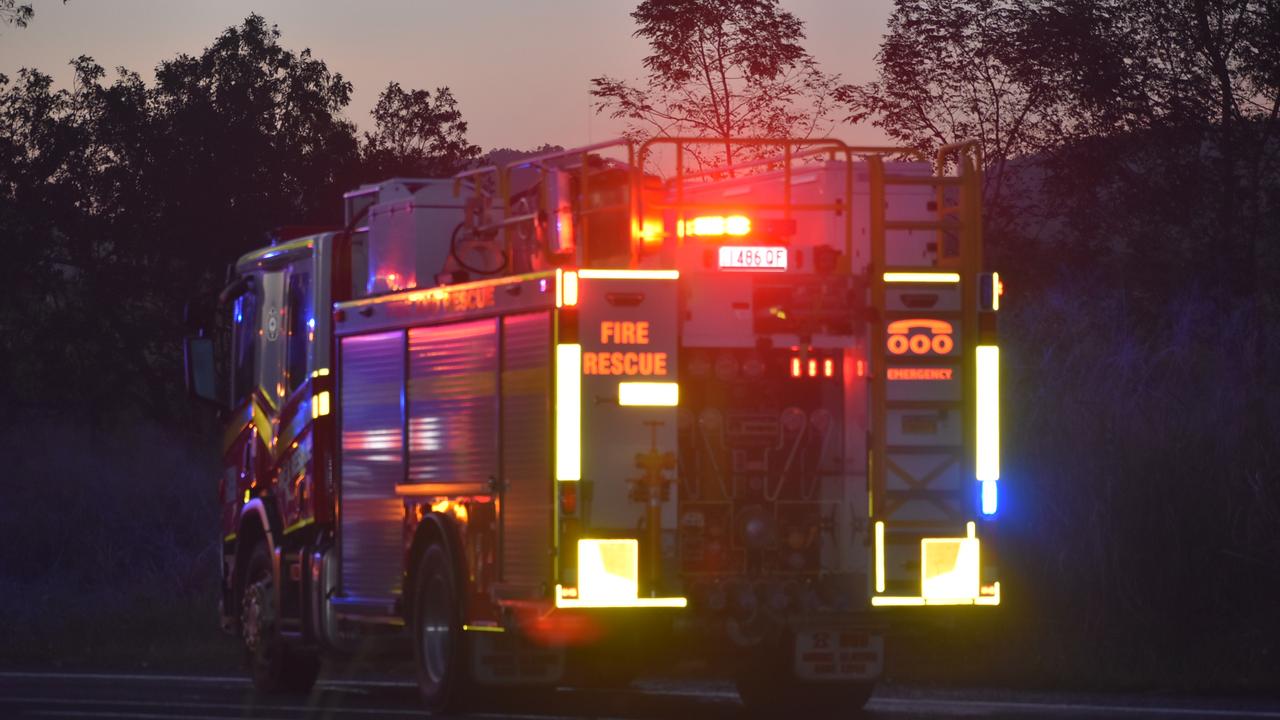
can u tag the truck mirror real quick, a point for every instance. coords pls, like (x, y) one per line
(198, 356)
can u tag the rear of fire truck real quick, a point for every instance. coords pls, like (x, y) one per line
(560, 420)
(838, 425)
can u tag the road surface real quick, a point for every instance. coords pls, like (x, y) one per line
(171, 697)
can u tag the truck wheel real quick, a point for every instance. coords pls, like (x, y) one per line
(438, 645)
(274, 665)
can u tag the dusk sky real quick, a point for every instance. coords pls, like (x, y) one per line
(520, 69)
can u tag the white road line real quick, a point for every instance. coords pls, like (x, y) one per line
(335, 711)
(327, 711)
(904, 705)
(192, 679)
(888, 704)
(206, 705)
(135, 716)
(114, 676)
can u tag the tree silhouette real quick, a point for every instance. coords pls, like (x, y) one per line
(121, 200)
(417, 135)
(722, 69)
(12, 13)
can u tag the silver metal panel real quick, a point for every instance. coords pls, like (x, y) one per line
(372, 417)
(527, 510)
(453, 420)
(923, 298)
(445, 303)
(923, 427)
(409, 238)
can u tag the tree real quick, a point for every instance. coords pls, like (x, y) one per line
(11, 13)
(1135, 110)
(505, 155)
(722, 69)
(121, 200)
(957, 70)
(417, 135)
(17, 14)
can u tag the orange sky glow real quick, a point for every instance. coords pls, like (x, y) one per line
(520, 69)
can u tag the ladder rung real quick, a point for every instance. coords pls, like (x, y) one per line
(928, 180)
(923, 449)
(921, 225)
(923, 404)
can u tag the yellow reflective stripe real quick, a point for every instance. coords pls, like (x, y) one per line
(568, 412)
(235, 427)
(299, 525)
(921, 277)
(649, 394)
(263, 424)
(623, 274)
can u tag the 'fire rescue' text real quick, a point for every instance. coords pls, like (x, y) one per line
(620, 362)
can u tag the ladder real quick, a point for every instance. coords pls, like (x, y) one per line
(924, 339)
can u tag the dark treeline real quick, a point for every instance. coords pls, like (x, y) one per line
(1133, 205)
(119, 200)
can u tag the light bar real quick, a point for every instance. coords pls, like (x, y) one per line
(884, 600)
(567, 287)
(320, 404)
(609, 576)
(949, 573)
(988, 415)
(716, 225)
(990, 497)
(879, 556)
(569, 412)
(949, 569)
(649, 394)
(569, 296)
(921, 277)
(623, 274)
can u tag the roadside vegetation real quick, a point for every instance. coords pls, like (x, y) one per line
(1132, 182)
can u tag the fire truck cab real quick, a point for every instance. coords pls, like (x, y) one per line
(563, 421)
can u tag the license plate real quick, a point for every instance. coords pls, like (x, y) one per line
(753, 257)
(838, 655)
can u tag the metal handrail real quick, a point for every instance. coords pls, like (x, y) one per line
(502, 182)
(829, 145)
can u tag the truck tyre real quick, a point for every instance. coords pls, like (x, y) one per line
(438, 644)
(274, 665)
(768, 689)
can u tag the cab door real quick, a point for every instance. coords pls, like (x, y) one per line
(293, 488)
(238, 469)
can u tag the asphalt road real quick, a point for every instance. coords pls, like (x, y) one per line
(165, 697)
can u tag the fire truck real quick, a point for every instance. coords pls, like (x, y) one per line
(566, 421)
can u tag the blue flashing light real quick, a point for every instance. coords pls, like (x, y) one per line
(311, 324)
(989, 497)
